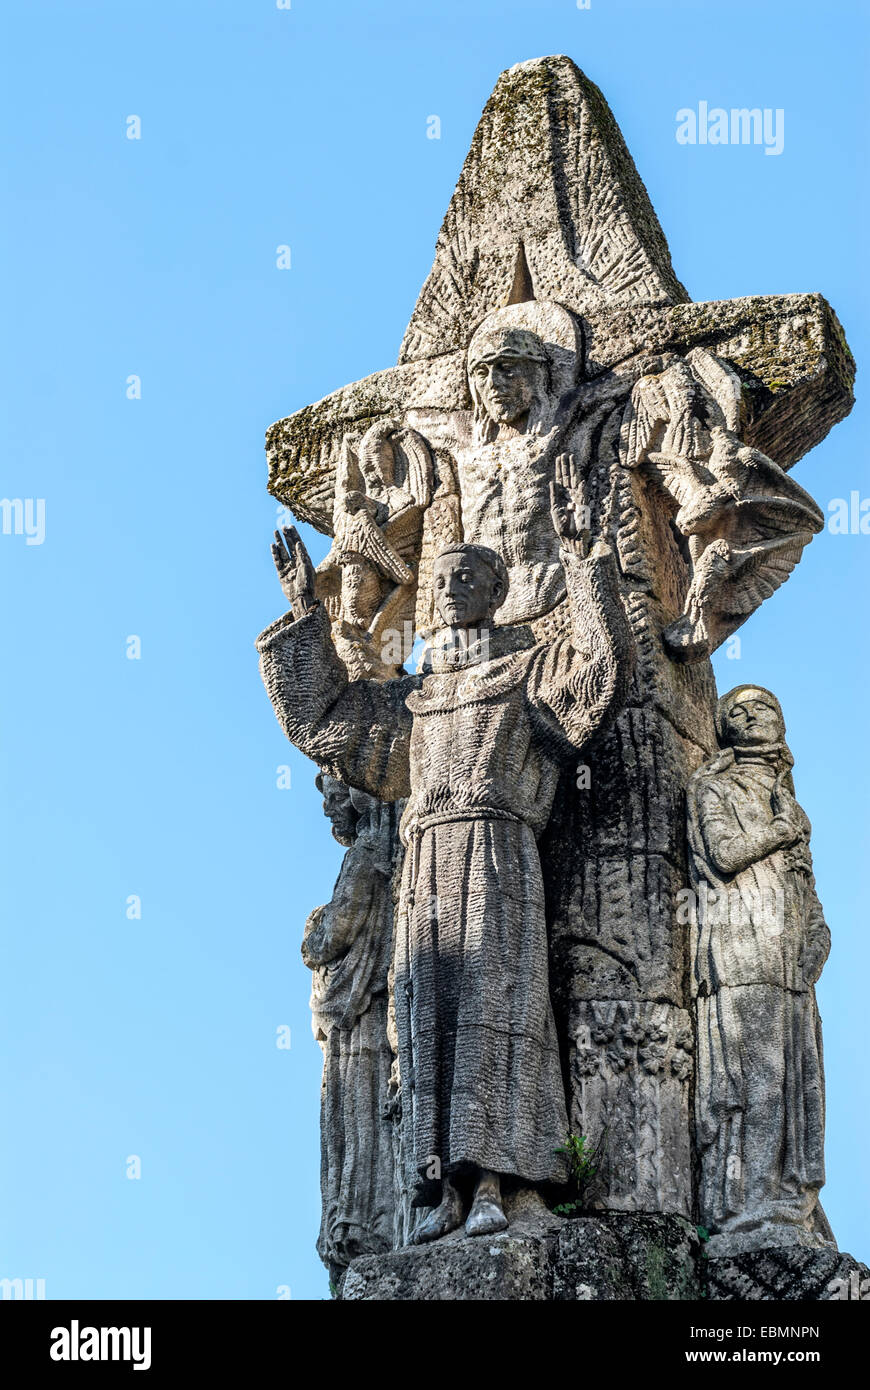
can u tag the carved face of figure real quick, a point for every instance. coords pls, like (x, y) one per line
(338, 806)
(467, 591)
(508, 386)
(752, 720)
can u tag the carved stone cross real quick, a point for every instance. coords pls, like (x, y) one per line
(548, 168)
(682, 406)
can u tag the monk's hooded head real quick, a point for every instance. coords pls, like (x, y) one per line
(470, 582)
(338, 806)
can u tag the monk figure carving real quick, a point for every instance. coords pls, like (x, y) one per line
(475, 740)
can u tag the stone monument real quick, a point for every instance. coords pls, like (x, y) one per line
(573, 487)
(758, 947)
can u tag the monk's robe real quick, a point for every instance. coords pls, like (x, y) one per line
(477, 746)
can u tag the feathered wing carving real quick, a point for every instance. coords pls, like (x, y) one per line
(327, 585)
(368, 580)
(721, 382)
(745, 520)
(420, 472)
(645, 420)
(751, 575)
(361, 535)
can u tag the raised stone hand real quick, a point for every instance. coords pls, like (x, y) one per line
(295, 571)
(787, 817)
(568, 508)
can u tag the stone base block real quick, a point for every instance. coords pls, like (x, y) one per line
(790, 1272)
(608, 1256)
(619, 1256)
(768, 1236)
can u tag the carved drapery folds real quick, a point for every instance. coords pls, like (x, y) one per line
(759, 942)
(347, 945)
(552, 326)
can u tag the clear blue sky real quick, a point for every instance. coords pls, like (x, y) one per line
(157, 777)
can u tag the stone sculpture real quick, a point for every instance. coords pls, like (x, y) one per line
(475, 742)
(744, 520)
(381, 493)
(347, 946)
(759, 944)
(552, 340)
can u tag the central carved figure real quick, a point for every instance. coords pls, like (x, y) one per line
(476, 742)
(557, 386)
(521, 361)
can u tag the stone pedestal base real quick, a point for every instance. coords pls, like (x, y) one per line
(619, 1256)
(766, 1237)
(793, 1272)
(608, 1256)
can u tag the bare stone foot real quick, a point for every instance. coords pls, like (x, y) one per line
(485, 1218)
(443, 1219)
(487, 1214)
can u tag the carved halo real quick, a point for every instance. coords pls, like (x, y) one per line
(539, 328)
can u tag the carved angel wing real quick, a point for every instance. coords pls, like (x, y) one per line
(757, 572)
(327, 583)
(722, 383)
(403, 532)
(348, 476)
(392, 455)
(419, 465)
(360, 533)
(647, 414)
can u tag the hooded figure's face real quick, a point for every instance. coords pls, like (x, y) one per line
(337, 805)
(467, 592)
(752, 721)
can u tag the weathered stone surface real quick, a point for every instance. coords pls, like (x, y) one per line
(610, 1257)
(790, 1273)
(634, 802)
(555, 391)
(475, 743)
(759, 942)
(368, 579)
(347, 948)
(503, 1267)
(789, 351)
(641, 1257)
(630, 1066)
(542, 1257)
(581, 211)
(617, 935)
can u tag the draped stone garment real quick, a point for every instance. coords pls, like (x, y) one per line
(759, 945)
(356, 1163)
(473, 1011)
(347, 946)
(478, 751)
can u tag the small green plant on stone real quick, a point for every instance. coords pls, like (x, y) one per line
(584, 1162)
